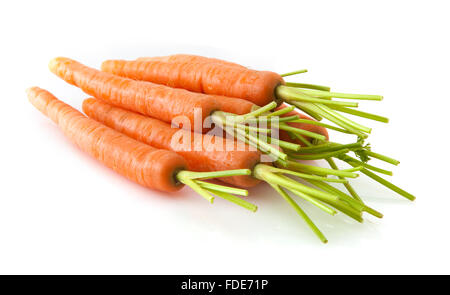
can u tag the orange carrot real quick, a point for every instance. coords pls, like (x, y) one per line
(200, 74)
(150, 99)
(189, 58)
(148, 166)
(211, 153)
(213, 76)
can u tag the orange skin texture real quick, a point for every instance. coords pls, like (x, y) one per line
(141, 163)
(199, 157)
(308, 127)
(158, 101)
(201, 74)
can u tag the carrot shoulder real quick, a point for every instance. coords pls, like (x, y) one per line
(148, 166)
(201, 155)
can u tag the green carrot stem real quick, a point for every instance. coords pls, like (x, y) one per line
(219, 118)
(329, 147)
(285, 144)
(306, 108)
(319, 155)
(357, 204)
(197, 188)
(222, 188)
(214, 174)
(328, 126)
(254, 129)
(296, 166)
(349, 159)
(306, 176)
(319, 93)
(361, 114)
(284, 126)
(281, 112)
(256, 112)
(386, 183)
(294, 73)
(264, 172)
(264, 145)
(383, 158)
(350, 209)
(300, 212)
(270, 120)
(294, 94)
(301, 138)
(315, 202)
(347, 185)
(234, 199)
(311, 108)
(344, 119)
(308, 86)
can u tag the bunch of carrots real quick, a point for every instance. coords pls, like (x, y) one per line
(165, 122)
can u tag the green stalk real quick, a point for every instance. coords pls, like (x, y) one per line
(329, 147)
(264, 172)
(286, 127)
(300, 212)
(281, 112)
(308, 86)
(294, 73)
(386, 183)
(347, 185)
(319, 93)
(222, 188)
(319, 155)
(312, 110)
(360, 114)
(307, 176)
(311, 122)
(297, 95)
(349, 159)
(318, 170)
(234, 199)
(383, 158)
(315, 202)
(189, 179)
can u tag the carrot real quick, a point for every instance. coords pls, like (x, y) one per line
(200, 155)
(160, 135)
(210, 77)
(189, 58)
(213, 76)
(151, 167)
(165, 103)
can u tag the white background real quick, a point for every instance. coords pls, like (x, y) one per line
(62, 212)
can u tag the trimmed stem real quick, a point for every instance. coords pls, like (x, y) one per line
(347, 185)
(300, 212)
(189, 179)
(236, 200)
(386, 183)
(297, 95)
(294, 73)
(308, 86)
(318, 170)
(223, 188)
(320, 93)
(319, 155)
(361, 114)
